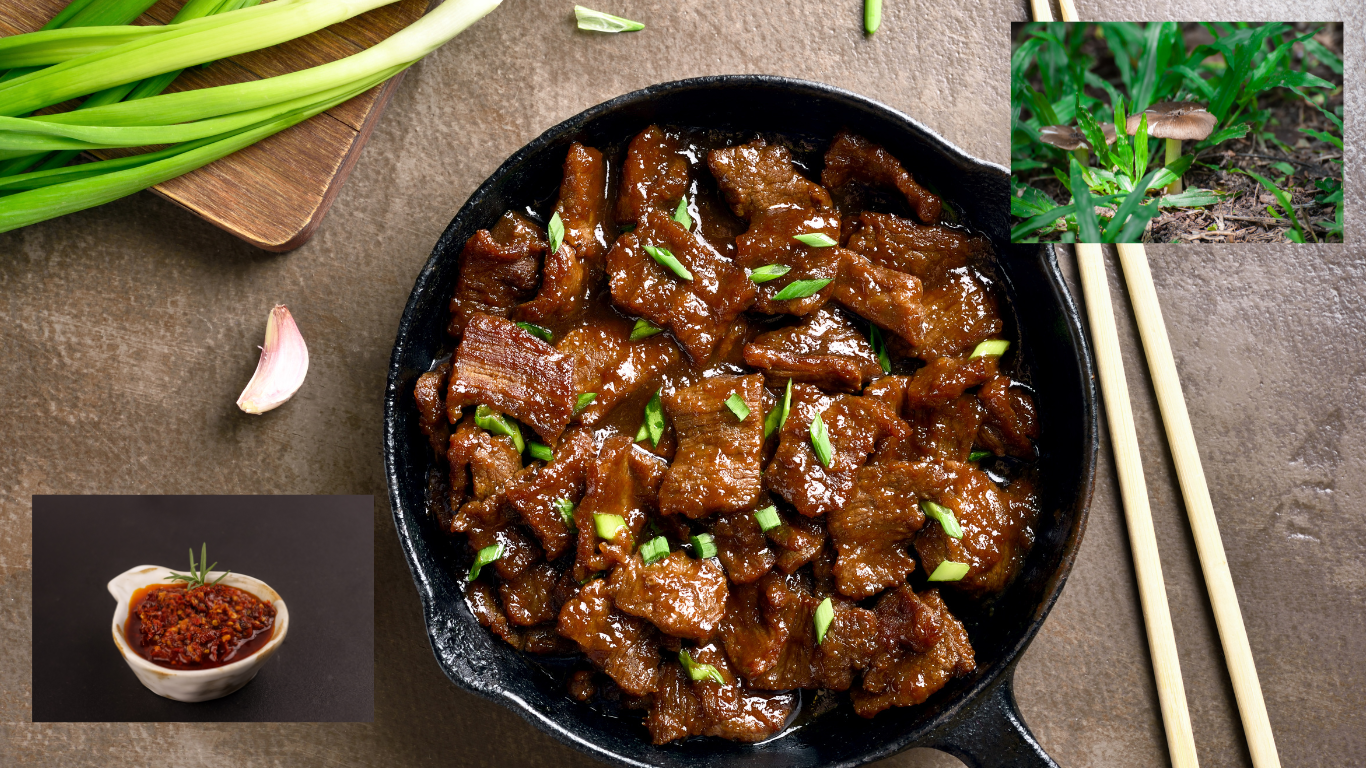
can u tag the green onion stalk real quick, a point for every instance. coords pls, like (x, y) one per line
(206, 124)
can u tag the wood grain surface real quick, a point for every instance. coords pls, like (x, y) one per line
(273, 194)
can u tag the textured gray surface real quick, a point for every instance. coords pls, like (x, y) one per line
(128, 331)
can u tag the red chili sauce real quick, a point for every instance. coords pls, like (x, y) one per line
(199, 628)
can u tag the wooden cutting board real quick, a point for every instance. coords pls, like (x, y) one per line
(275, 193)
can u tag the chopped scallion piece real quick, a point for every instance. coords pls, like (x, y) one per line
(643, 433)
(608, 526)
(945, 517)
(681, 214)
(770, 272)
(879, 346)
(666, 259)
(872, 15)
(737, 406)
(799, 289)
(699, 672)
(948, 570)
(991, 348)
(768, 518)
(537, 330)
(644, 329)
(540, 451)
(487, 556)
(979, 455)
(585, 400)
(703, 545)
(778, 416)
(556, 231)
(654, 550)
(654, 418)
(566, 508)
(489, 419)
(597, 21)
(815, 240)
(820, 441)
(825, 613)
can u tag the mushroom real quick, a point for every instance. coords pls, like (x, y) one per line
(1175, 121)
(1074, 141)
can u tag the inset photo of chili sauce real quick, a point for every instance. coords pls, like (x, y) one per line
(200, 627)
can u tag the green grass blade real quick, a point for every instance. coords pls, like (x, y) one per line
(1088, 227)
(1141, 147)
(1127, 208)
(1148, 67)
(1281, 197)
(1318, 51)
(1027, 228)
(1133, 228)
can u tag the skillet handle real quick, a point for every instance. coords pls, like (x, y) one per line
(993, 735)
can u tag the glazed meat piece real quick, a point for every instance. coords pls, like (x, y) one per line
(681, 596)
(758, 176)
(655, 175)
(857, 425)
(621, 645)
(770, 240)
(874, 530)
(481, 464)
(959, 315)
(928, 252)
(943, 416)
(1010, 426)
(716, 467)
(797, 541)
(511, 370)
(499, 268)
(997, 524)
(483, 603)
(582, 205)
(742, 547)
(430, 394)
(884, 297)
(613, 367)
(854, 158)
(695, 310)
(564, 281)
(539, 490)
(825, 350)
(901, 674)
(624, 481)
(734, 711)
(530, 598)
(675, 711)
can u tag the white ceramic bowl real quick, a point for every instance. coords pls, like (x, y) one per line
(193, 684)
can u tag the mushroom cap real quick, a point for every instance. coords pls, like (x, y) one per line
(1181, 120)
(1063, 137)
(1109, 130)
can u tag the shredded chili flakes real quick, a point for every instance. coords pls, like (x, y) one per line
(206, 626)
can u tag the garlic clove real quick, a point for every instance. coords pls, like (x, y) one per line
(283, 365)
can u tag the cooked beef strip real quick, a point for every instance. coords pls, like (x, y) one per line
(770, 240)
(885, 297)
(825, 350)
(675, 711)
(733, 710)
(797, 541)
(741, 547)
(623, 481)
(623, 646)
(583, 203)
(928, 252)
(654, 176)
(680, 595)
(716, 467)
(498, 269)
(1010, 426)
(581, 685)
(539, 489)
(615, 368)
(564, 280)
(511, 370)
(529, 599)
(483, 603)
(430, 394)
(901, 675)
(959, 315)
(854, 158)
(943, 416)
(874, 530)
(758, 176)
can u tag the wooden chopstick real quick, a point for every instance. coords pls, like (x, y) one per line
(1204, 527)
(1152, 594)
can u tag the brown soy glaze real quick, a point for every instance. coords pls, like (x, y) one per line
(197, 628)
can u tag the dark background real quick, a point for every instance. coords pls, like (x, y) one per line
(316, 551)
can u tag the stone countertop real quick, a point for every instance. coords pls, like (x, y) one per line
(129, 330)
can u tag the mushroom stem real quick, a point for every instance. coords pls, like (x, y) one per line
(1173, 154)
(1082, 155)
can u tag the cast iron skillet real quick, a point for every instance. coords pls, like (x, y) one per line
(974, 718)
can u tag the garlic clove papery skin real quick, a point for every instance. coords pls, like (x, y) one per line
(282, 368)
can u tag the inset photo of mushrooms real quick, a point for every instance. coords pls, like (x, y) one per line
(1231, 132)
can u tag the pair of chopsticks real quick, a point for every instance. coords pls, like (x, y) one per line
(1134, 493)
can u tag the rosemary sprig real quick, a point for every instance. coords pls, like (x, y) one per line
(197, 578)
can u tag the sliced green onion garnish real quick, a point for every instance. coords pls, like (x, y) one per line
(699, 672)
(778, 416)
(800, 289)
(979, 455)
(654, 550)
(489, 419)
(644, 329)
(597, 21)
(555, 229)
(703, 545)
(948, 570)
(872, 15)
(540, 451)
(945, 517)
(585, 400)
(607, 526)
(681, 214)
(654, 419)
(991, 348)
(666, 258)
(770, 272)
(566, 508)
(537, 330)
(768, 518)
(879, 346)
(820, 441)
(487, 556)
(737, 406)
(815, 240)
(825, 613)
